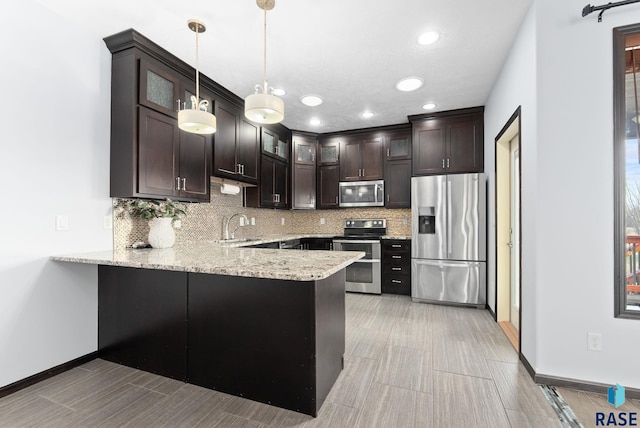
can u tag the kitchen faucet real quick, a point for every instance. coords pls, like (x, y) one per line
(226, 225)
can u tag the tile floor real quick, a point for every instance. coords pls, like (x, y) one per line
(406, 365)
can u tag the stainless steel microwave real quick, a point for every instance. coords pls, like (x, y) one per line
(361, 193)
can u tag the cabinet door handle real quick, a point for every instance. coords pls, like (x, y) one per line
(178, 102)
(388, 153)
(396, 281)
(363, 172)
(447, 163)
(177, 183)
(388, 197)
(336, 199)
(443, 163)
(242, 170)
(313, 156)
(184, 184)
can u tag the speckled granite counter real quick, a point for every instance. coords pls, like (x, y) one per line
(226, 259)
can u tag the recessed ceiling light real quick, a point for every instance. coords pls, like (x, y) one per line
(409, 84)
(279, 92)
(314, 122)
(311, 100)
(429, 106)
(428, 38)
(366, 114)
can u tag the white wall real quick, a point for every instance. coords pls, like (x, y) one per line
(567, 192)
(55, 157)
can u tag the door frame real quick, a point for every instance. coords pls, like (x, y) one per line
(507, 134)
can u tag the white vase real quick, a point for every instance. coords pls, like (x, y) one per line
(161, 233)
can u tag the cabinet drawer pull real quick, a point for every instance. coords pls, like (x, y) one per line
(396, 281)
(396, 246)
(396, 268)
(396, 257)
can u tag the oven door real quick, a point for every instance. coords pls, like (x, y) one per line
(362, 276)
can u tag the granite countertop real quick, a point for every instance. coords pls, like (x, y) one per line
(396, 237)
(227, 259)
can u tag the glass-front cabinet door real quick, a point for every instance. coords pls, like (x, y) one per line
(159, 89)
(398, 146)
(329, 152)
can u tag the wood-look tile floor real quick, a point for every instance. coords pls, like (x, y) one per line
(406, 365)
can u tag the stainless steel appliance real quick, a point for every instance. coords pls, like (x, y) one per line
(364, 275)
(361, 193)
(448, 245)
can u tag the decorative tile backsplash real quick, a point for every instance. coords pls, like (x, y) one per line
(204, 221)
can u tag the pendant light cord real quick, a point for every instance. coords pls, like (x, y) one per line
(264, 77)
(197, 70)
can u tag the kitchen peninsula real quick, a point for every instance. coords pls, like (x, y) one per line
(264, 324)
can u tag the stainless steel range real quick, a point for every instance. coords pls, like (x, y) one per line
(363, 276)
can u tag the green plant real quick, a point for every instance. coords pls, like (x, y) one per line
(152, 209)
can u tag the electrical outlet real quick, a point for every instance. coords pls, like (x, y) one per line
(241, 221)
(282, 221)
(405, 221)
(322, 220)
(107, 222)
(253, 221)
(594, 341)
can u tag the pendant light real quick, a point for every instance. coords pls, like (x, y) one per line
(264, 107)
(197, 119)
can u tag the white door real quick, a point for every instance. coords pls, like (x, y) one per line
(514, 315)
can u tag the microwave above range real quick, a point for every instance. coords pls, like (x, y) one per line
(361, 193)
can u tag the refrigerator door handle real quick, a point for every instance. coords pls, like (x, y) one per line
(448, 225)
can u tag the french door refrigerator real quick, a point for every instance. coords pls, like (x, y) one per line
(448, 245)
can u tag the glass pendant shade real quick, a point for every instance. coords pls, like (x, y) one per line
(196, 121)
(264, 108)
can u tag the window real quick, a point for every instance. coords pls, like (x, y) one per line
(626, 69)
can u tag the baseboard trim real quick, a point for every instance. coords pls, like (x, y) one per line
(528, 366)
(581, 385)
(39, 377)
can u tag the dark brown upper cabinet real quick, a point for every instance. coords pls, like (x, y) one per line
(329, 151)
(303, 177)
(235, 150)
(328, 179)
(276, 144)
(397, 168)
(361, 158)
(150, 156)
(273, 186)
(448, 142)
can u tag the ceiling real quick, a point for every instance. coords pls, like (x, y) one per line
(351, 53)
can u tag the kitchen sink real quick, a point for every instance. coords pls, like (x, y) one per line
(234, 240)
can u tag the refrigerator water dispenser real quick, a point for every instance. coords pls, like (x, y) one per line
(427, 220)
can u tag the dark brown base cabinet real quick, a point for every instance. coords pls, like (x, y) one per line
(396, 266)
(274, 341)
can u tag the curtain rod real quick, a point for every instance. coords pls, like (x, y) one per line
(588, 8)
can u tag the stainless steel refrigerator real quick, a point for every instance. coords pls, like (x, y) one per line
(448, 239)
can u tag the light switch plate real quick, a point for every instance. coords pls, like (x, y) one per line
(62, 222)
(322, 220)
(107, 222)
